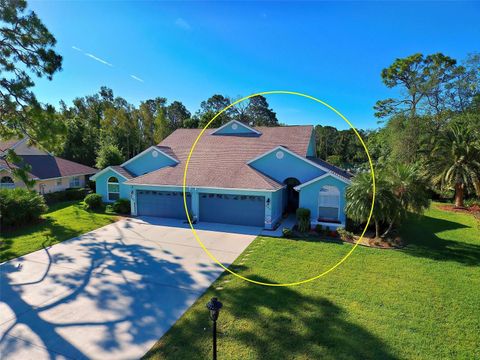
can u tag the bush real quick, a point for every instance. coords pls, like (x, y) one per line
(318, 228)
(287, 232)
(303, 219)
(93, 201)
(66, 195)
(20, 206)
(344, 234)
(121, 206)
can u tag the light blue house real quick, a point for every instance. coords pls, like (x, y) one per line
(236, 175)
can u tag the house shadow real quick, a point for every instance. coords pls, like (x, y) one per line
(421, 232)
(134, 297)
(262, 322)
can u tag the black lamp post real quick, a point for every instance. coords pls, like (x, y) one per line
(214, 306)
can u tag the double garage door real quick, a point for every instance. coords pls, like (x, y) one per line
(217, 208)
(232, 209)
(168, 204)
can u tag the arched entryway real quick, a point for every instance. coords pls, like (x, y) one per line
(292, 194)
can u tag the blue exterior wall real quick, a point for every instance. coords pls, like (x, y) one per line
(228, 130)
(288, 166)
(147, 163)
(309, 197)
(102, 189)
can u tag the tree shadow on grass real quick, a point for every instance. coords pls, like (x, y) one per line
(261, 322)
(420, 233)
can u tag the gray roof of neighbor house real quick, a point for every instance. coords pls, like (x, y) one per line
(48, 167)
(7, 144)
(220, 161)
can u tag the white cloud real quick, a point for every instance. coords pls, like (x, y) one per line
(98, 59)
(76, 48)
(136, 78)
(182, 24)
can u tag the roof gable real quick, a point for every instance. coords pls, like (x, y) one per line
(235, 127)
(151, 159)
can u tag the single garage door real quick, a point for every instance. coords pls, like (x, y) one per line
(233, 209)
(168, 204)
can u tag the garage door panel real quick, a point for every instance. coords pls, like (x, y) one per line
(233, 209)
(168, 204)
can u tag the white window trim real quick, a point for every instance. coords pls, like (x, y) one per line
(337, 193)
(113, 192)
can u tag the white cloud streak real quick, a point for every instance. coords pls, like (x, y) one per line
(136, 78)
(76, 48)
(98, 59)
(182, 24)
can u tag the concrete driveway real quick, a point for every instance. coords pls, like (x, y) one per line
(110, 293)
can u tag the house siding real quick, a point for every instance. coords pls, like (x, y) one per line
(102, 188)
(309, 198)
(286, 167)
(147, 163)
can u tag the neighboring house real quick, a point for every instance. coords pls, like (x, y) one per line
(237, 175)
(51, 173)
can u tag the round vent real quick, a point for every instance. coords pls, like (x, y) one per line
(279, 154)
(154, 153)
(234, 126)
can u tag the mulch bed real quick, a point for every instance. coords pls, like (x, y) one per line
(474, 209)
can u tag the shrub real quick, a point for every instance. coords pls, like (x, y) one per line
(20, 206)
(121, 206)
(93, 201)
(344, 234)
(303, 219)
(287, 232)
(318, 228)
(65, 195)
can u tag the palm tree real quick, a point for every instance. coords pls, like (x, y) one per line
(359, 200)
(456, 160)
(409, 185)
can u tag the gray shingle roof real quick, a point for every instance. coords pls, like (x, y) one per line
(221, 161)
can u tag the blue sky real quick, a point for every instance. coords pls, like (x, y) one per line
(190, 50)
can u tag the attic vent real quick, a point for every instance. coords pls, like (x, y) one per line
(234, 126)
(154, 154)
(279, 155)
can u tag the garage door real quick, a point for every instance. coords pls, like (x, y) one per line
(233, 209)
(167, 204)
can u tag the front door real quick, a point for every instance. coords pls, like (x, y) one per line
(292, 194)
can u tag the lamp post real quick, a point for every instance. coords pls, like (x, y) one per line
(214, 306)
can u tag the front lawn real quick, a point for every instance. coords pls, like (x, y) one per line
(63, 221)
(421, 302)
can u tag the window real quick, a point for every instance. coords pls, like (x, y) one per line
(59, 182)
(7, 182)
(329, 204)
(75, 182)
(113, 189)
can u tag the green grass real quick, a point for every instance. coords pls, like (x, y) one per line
(421, 302)
(63, 221)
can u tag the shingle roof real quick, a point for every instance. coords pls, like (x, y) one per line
(332, 168)
(128, 175)
(7, 144)
(221, 161)
(47, 166)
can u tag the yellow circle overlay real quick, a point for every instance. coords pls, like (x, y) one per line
(185, 187)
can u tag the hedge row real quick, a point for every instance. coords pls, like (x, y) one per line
(66, 195)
